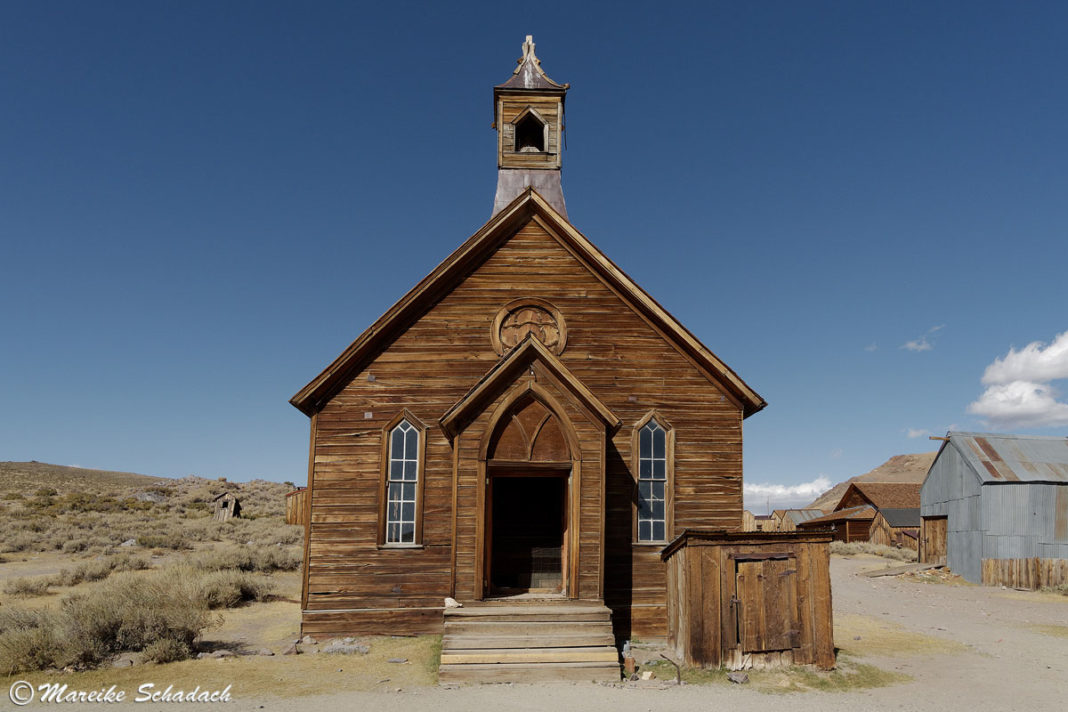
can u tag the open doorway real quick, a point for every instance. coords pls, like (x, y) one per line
(527, 530)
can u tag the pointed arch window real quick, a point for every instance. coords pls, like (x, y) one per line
(654, 446)
(401, 522)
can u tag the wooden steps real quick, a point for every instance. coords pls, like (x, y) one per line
(528, 642)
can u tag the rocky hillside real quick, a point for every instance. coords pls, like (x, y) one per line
(899, 468)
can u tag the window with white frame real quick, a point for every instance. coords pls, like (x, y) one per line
(401, 483)
(652, 482)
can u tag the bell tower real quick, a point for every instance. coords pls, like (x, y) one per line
(528, 113)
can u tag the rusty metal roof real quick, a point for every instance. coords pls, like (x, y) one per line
(529, 74)
(1000, 458)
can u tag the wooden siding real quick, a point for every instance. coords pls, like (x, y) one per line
(750, 600)
(1033, 573)
(509, 107)
(429, 366)
(297, 507)
(902, 537)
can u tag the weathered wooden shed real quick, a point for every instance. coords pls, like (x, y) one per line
(297, 506)
(896, 527)
(847, 525)
(750, 600)
(995, 509)
(227, 506)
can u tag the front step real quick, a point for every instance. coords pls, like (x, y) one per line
(528, 641)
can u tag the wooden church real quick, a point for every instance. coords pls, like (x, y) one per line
(525, 425)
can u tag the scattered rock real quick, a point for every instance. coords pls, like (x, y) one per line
(856, 637)
(648, 675)
(308, 640)
(129, 542)
(339, 647)
(738, 678)
(634, 677)
(266, 652)
(223, 653)
(122, 662)
(201, 656)
(453, 603)
(397, 660)
(291, 650)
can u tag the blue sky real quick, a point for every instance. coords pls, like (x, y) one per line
(859, 206)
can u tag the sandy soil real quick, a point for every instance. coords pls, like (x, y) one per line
(961, 647)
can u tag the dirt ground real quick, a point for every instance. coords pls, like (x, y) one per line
(953, 646)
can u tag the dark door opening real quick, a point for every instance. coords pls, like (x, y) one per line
(528, 522)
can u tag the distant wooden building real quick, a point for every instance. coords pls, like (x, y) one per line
(297, 506)
(847, 525)
(995, 509)
(226, 506)
(750, 600)
(786, 520)
(881, 495)
(896, 527)
(525, 421)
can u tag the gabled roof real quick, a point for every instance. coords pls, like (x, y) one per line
(477, 249)
(529, 74)
(901, 517)
(503, 374)
(886, 494)
(802, 515)
(1000, 458)
(861, 513)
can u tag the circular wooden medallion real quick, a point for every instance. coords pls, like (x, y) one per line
(529, 316)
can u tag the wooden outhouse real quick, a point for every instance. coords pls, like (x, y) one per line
(526, 421)
(750, 600)
(226, 506)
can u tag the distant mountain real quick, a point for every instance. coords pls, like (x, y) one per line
(29, 476)
(899, 468)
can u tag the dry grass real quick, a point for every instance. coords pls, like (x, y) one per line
(867, 636)
(289, 676)
(864, 547)
(1057, 631)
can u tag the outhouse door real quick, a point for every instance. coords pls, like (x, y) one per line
(767, 599)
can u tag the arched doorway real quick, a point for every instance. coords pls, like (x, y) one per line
(528, 502)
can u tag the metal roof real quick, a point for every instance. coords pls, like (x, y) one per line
(803, 515)
(902, 517)
(529, 75)
(999, 458)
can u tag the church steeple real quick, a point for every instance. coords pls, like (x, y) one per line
(528, 113)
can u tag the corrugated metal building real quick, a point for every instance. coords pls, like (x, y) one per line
(996, 508)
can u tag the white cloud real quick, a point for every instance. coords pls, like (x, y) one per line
(837, 453)
(1021, 404)
(923, 343)
(871, 347)
(1035, 362)
(783, 496)
(1019, 392)
(917, 432)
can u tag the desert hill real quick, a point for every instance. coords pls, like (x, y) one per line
(29, 476)
(899, 468)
